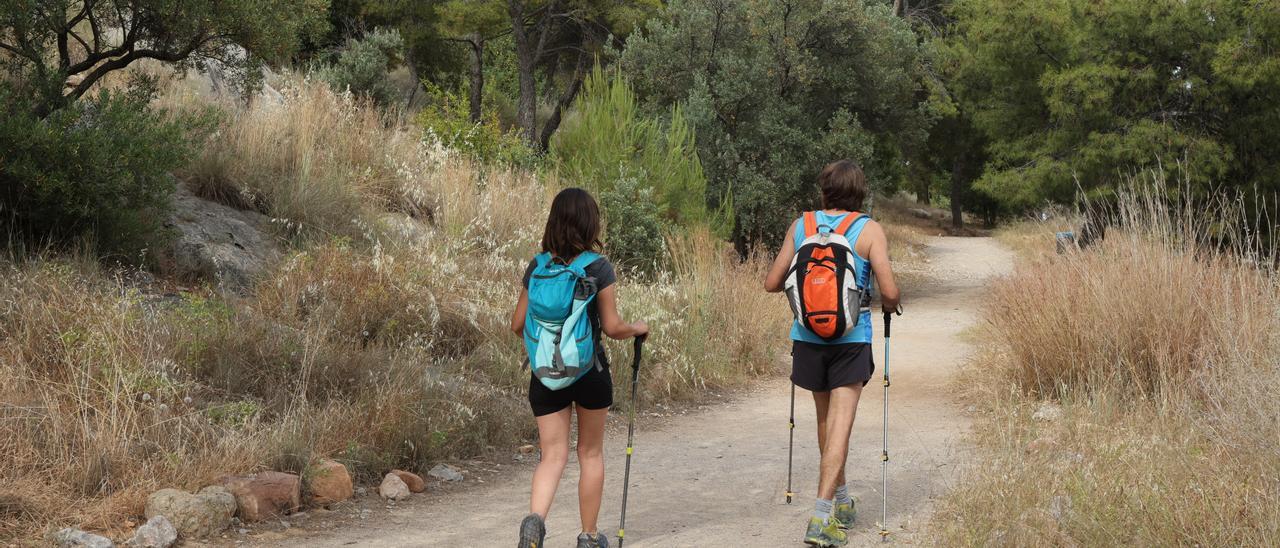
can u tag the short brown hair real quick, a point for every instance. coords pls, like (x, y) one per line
(573, 226)
(843, 185)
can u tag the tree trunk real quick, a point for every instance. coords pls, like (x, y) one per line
(527, 100)
(477, 77)
(527, 54)
(566, 99)
(922, 194)
(957, 193)
(900, 8)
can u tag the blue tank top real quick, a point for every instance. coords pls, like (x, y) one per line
(862, 332)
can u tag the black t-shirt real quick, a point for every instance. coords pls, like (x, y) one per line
(602, 271)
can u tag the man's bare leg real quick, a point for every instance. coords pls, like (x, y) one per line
(836, 411)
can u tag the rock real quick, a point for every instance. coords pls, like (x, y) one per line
(393, 488)
(157, 532)
(361, 491)
(330, 482)
(265, 494)
(920, 213)
(444, 472)
(415, 482)
(75, 538)
(194, 515)
(527, 449)
(1041, 445)
(219, 243)
(1048, 412)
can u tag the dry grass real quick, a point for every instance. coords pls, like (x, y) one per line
(1161, 349)
(372, 343)
(320, 163)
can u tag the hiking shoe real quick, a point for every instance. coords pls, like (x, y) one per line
(846, 514)
(826, 535)
(589, 541)
(532, 532)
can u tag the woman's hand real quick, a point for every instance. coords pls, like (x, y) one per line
(640, 329)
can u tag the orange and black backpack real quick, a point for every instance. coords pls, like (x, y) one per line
(822, 284)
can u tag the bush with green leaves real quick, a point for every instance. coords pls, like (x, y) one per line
(363, 66)
(446, 119)
(1077, 94)
(97, 168)
(776, 90)
(608, 139)
(633, 225)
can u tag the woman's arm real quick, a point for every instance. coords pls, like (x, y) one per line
(878, 254)
(611, 323)
(778, 271)
(517, 317)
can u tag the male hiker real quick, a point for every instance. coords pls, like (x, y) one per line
(835, 251)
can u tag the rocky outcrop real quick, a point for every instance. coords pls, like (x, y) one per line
(444, 472)
(329, 482)
(75, 538)
(265, 494)
(157, 532)
(214, 242)
(393, 488)
(413, 481)
(194, 515)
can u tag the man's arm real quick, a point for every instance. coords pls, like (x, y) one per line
(878, 254)
(778, 271)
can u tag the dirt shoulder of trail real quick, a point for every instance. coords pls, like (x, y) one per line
(715, 473)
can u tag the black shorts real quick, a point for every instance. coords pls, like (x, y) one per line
(821, 367)
(593, 391)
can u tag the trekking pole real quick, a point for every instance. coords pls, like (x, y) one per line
(884, 454)
(631, 433)
(791, 440)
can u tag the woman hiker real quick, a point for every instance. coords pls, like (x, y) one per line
(836, 369)
(570, 241)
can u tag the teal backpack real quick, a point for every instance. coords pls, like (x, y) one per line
(558, 334)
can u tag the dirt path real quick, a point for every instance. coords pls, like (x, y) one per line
(717, 476)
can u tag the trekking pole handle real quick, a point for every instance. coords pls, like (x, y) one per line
(888, 318)
(638, 346)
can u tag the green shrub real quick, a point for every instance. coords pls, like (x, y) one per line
(97, 168)
(608, 140)
(633, 225)
(363, 66)
(447, 120)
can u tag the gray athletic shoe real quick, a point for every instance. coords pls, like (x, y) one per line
(532, 532)
(588, 541)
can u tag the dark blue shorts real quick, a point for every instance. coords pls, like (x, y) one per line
(593, 391)
(821, 367)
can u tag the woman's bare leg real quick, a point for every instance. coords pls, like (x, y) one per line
(591, 465)
(553, 437)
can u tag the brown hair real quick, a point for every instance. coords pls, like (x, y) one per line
(843, 185)
(573, 226)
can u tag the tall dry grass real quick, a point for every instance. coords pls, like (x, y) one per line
(381, 340)
(1160, 347)
(319, 162)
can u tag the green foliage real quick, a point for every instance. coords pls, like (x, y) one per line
(363, 66)
(48, 40)
(446, 120)
(97, 168)
(609, 139)
(634, 233)
(776, 91)
(1075, 93)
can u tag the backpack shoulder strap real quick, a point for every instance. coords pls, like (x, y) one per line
(583, 260)
(848, 221)
(810, 224)
(542, 259)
